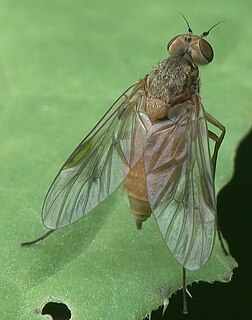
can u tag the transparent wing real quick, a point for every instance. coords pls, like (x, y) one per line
(180, 183)
(101, 161)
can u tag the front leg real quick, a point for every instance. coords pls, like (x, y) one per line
(218, 139)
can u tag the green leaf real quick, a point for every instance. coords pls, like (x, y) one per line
(62, 65)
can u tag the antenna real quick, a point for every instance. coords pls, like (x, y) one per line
(206, 33)
(189, 28)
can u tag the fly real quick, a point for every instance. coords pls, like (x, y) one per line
(155, 141)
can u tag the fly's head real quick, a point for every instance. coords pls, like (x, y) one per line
(192, 47)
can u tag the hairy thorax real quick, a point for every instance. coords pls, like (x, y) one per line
(171, 79)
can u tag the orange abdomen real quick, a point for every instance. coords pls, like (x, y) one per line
(135, 187)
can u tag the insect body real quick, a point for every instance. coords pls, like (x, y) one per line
(155, 140)
(174, 176)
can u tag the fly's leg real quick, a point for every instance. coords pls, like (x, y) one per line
(38, 239)
(214, 137)
(218, 140)
(185, 309)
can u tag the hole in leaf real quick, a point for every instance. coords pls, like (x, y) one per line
(58, 311)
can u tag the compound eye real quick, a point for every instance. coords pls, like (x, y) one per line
(170, 42)
(177, 46)
(206, 50)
